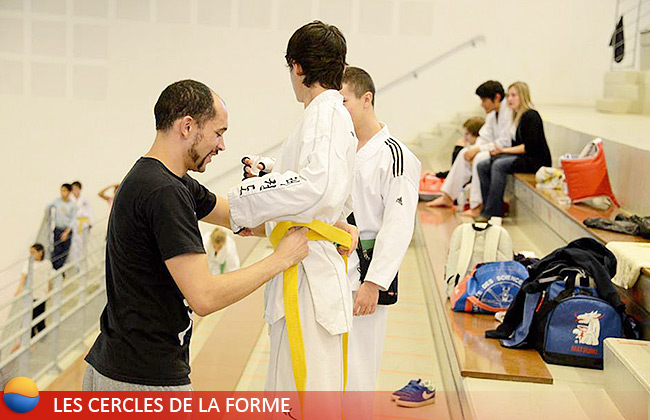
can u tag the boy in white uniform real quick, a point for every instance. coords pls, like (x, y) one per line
(385, 193)
(494, 133)
(312, 180)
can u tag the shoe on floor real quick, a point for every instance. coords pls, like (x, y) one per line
(418, 396)
(412, 383)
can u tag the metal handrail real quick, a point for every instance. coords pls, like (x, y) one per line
(413, 74)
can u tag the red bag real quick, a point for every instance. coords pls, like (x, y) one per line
(586, 175)
(429, 187)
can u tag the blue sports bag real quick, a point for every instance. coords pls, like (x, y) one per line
(576, 326)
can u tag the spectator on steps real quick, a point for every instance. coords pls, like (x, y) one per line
(41, 274)
(84, 221)
(528, 153)
(108, 194)
(495, 133)
(64, 223)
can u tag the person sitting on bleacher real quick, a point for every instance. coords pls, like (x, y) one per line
(528, 153)
(495, 133)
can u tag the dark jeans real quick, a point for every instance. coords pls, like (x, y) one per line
(61, 249)
(38, 310)
(493, 173)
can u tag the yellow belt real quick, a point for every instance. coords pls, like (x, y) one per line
(318, 231)
(81, 221)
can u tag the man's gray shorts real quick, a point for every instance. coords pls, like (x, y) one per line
(95, 381)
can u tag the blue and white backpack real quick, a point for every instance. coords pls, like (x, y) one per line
(489, 288)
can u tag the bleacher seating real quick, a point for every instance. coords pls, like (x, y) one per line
(566, 223)
(477, 356)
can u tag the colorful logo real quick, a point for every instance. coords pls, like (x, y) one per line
(587, 330)
(21, 395)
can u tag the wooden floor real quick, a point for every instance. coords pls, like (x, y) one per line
(478, 357)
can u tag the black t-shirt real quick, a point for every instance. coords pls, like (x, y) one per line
(530, 132)
(146, 325)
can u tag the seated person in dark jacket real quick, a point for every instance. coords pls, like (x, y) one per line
(528, 153)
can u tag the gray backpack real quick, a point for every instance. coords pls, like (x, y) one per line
(475, 243)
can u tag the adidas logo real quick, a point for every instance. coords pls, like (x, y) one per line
(399, 201)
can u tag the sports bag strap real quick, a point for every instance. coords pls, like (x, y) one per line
(466, 249)
(569, 289)
(475, 301)
(491, 244)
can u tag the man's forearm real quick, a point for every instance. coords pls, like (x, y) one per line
(236, 285)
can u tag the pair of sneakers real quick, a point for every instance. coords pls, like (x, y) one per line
(415, 394)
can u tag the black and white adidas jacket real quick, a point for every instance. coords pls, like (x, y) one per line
(385, 196)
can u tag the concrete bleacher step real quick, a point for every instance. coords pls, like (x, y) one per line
(450, 131)
(617, 105)
(429, 140)
(461, 117)
(627, 376)
(623, 91)
(623, 77)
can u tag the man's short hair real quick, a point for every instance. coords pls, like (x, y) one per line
(359, 81)
(320, 50)
(67, 187)
(473, 125)
(490, 89)
(76, 184)
(38, 247)
(184, 98)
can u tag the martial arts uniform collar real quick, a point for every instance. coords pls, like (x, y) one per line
(375, 143)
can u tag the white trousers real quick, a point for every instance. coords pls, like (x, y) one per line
(461, 173)
(366, 345)
(323, 351)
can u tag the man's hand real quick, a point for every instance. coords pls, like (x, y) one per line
(496, 152)
(293, 248)
(365, 302)
(65, 235)
(354, 232)
(471, 153)
(257, 231)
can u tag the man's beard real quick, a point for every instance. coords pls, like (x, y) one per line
(194, 156)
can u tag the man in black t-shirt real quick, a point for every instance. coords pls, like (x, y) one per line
(156, 268)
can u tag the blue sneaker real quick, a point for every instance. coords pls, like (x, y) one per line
(418, 395)
(412, 383)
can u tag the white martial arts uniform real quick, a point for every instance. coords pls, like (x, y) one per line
(224, 261)
(81, 228)
(385, 193)
(312, 179)
(494, 133)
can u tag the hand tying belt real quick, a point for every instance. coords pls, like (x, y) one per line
(318, 231)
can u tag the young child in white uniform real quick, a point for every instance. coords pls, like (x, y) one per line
(221, 251)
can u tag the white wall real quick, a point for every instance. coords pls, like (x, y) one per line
(78, 78)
